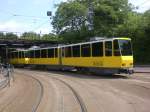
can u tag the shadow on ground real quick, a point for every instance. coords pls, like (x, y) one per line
(90, 75)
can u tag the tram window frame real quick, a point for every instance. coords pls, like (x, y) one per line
(86, 50)
(108, 48)
(116, 48)
(51, 53)
(56, 52)
(76, 50)
(97, 49)
(68, 51)
(44, 53)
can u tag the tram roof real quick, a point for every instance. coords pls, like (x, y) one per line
(100, 40)
(60, 46)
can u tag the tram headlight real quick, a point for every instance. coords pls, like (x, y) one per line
(26, 59)
(123, 64)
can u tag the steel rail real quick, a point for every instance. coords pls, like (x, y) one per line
(35, 107)
(77, 96)
(4, 84)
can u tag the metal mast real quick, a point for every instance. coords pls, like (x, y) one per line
(90, 15)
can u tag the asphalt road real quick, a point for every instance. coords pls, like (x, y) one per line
(43, 91)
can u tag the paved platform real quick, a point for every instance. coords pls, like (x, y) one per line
(2, 79)
(142, 69)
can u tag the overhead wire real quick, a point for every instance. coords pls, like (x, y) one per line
(39, 26)
(13, 32)
(20, 15)
(143, 3)
(34, 18)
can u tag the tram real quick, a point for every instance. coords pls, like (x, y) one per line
(110, 56)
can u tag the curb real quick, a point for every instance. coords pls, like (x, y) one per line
(140, 72)
(141, 65)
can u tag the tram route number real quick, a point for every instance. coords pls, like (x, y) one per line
(98, 63)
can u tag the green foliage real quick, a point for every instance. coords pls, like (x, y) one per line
(69, 21)
(111, 18)
(109, 14)
(11, 36)
(30, 36)
(2, 35)
(142, 39)
(8, 36)
(50, 37)
(69, 16)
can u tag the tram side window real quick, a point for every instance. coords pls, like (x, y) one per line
(16, 54)
(51, 53)
(63, 52)
(67, 51)
(44, 53)
(26, 54)
(31, 54)
(56, 52)
(85, 50)
(97, 49)
(76, 51)
(20, 54)
(11, 55)
(116, 48)
(37, 53)
(108, 48)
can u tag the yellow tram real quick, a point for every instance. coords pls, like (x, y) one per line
(113, 55)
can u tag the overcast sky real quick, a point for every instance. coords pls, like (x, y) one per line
(30, 15)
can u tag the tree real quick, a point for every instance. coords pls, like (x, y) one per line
(142, 39)
(11, 36)
(30, 36)
(2, 35)
(69, 20)
(112, 18)
(109, 14)
(50, 37)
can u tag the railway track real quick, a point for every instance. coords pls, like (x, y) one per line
(36, 105)
(20, 97)
(77, 96)
(75, 93)
(58, 92)
(4, 83)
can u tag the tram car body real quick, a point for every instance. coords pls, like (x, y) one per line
(110, 56)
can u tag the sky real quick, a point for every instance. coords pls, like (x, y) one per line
(30, 15)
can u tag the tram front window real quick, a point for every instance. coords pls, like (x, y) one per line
(125, 47)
